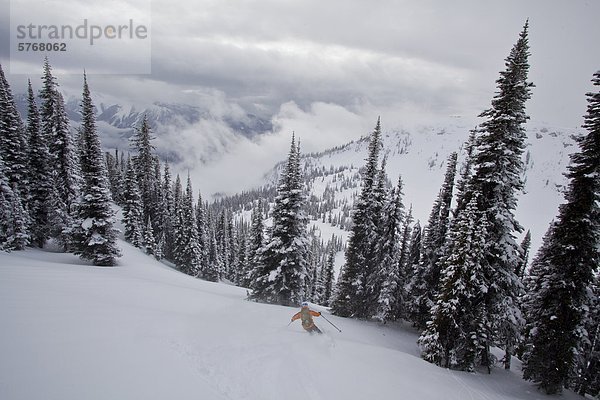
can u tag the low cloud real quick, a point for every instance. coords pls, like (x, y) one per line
(222, 161)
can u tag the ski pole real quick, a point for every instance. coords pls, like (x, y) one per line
(331, 323)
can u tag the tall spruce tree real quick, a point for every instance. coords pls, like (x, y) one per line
(187, 252)
(586, 379)
(223, 242)
(132, 208)
(207, 271)
(145, 162)
(64, 162)
(426, 279)
(414, 254)
(233, 248)
(177, 194)
(327, 277)
(374, 280)
(13, 142)
(446, 194)
(352, 287)
(466, 172)
(40, 175)
(495, 181)
(388, 270)
(241, 254)
(456, 334)
(14, 232)
(525, 245)
(563, 271)
(93, 235)
(283, 270)
(149, 241)
(115, 176)
(405, 245)
(215, 272)
(167, 210)
(157, 199)
(257, 240)
(13, 221)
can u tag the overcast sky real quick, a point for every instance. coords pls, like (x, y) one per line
(310, 63)
(439, 56)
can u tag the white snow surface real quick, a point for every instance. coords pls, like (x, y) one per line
(142, 330)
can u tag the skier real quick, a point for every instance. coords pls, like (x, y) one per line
(306, 315)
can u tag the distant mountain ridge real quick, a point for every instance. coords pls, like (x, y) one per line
(160, 115)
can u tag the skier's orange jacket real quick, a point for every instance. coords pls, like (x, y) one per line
(306, 315)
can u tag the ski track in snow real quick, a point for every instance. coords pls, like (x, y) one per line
(235, 368)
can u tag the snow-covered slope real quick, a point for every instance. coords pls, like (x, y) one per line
(144, 331)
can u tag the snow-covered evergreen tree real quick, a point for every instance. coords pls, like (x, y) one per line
(167, 211)
(207, 270)
(327, 278)
(158, 248)
(215, 269)
(48, 95)
(352, 287)
(132, 208)
(257, 239)
(374, 280)
(586, 379)
(157, 199)
(63, 154)
(282, 274)
(388, 270)
(233, 245)
(144, 162)
(14, 174)
(223, 242)
(149, 241)
(524, 253)
(67, 174)
(245, 260)
(455, 335)
(414, 253)
(495, 181)
(115, 176)
(426, 278)
(412, 265)
(13, 218)
(93, 235)
(466, 172)
(313, 288)
(187, 253)
(40, 175)
(563, 270)
(13, 142)
(405, 244)
(445, 199)
(241, 260)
